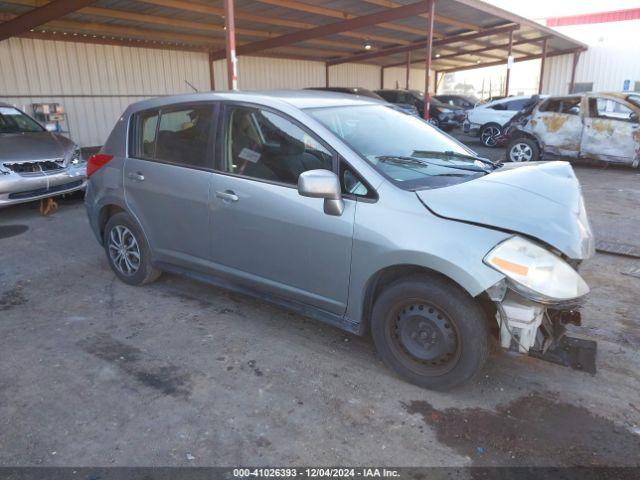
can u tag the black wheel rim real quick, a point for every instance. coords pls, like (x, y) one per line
(424, 338)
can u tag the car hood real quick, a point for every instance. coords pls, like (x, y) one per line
(17, 147)
(542, 200)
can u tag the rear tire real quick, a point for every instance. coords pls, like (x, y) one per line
(128, 251)
(523, 149)
(489, 133)
(430, 331)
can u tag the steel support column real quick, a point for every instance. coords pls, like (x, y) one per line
(509, 64)
(381, 78)
(326, 75)
(576, 58)
(408, 69)
(212, 77)
(542, 62)
(431, 4)
(436, 82)
(230, 41)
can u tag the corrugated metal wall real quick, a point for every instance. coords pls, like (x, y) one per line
(606, 68)
(355, 75)
(259, 73)
(93, 82)
(395, 77)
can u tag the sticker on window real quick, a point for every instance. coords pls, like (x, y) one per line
(249, 155)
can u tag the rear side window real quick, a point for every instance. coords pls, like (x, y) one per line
(517, 105)
(183, 136)
(176, 134)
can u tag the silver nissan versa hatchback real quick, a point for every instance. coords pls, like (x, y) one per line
(348, 211)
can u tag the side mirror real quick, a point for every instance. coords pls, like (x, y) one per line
(633, 117)
(322, 184)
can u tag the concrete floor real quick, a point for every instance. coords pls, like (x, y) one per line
(97, 373)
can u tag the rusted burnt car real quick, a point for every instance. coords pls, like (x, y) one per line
(599, 126)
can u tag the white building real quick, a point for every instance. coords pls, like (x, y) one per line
(612, 62)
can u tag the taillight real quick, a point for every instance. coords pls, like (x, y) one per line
(96, 162)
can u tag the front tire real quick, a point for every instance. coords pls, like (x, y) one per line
(430, 332)
(128, 251)
(523, 150)
(489, 133)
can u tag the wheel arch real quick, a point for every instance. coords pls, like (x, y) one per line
(389, 274)
(105, 213)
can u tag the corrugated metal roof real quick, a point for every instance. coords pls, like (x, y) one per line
(194, 22)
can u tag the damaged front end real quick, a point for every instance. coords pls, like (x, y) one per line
(532, 314)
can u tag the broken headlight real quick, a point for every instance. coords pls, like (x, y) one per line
(535, 272)
(76, 156)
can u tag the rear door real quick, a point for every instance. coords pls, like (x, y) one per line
(611, 131)
(558, 125)
(167, 178)
(263, 232)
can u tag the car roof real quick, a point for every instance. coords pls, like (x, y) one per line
(297, 98)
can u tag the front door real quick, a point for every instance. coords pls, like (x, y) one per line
(167, 179)
(611, 132)
(263, 231)
(558, 124)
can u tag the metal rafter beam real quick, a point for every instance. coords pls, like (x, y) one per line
(525, 58)
(438, 18)
(332, 28)
(161, 20)
(38, 16)
(107, 33)
(264, 19)
(479, 51)
(330, 12)
(422, 44)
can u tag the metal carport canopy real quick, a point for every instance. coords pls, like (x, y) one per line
(466, 33)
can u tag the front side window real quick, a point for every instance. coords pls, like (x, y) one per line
(607, 108)
(13, 120)
(264, 145)
(184, 134)
(404, 148)
(517, 105)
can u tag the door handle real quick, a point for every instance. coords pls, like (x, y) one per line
(227, 196)
(137, 176)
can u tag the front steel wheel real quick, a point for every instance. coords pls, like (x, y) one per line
(430, 331)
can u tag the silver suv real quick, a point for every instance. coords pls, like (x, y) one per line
(348, 211)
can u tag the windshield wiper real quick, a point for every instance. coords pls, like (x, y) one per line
(450, 153)
(404, 161)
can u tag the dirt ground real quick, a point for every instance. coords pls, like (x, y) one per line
(97, 373)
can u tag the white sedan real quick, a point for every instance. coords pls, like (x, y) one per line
(486, 120)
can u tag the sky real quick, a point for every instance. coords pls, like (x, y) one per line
(540, 9)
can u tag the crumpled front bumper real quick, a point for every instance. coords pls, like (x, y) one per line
(539, 330)
(19, 188)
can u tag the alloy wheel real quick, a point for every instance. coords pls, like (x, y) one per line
(124, 250)
(489, 135)
(520, 152)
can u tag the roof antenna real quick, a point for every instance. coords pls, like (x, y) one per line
(194, 88)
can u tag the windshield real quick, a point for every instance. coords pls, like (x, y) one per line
(13, 120)
(404, 148)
